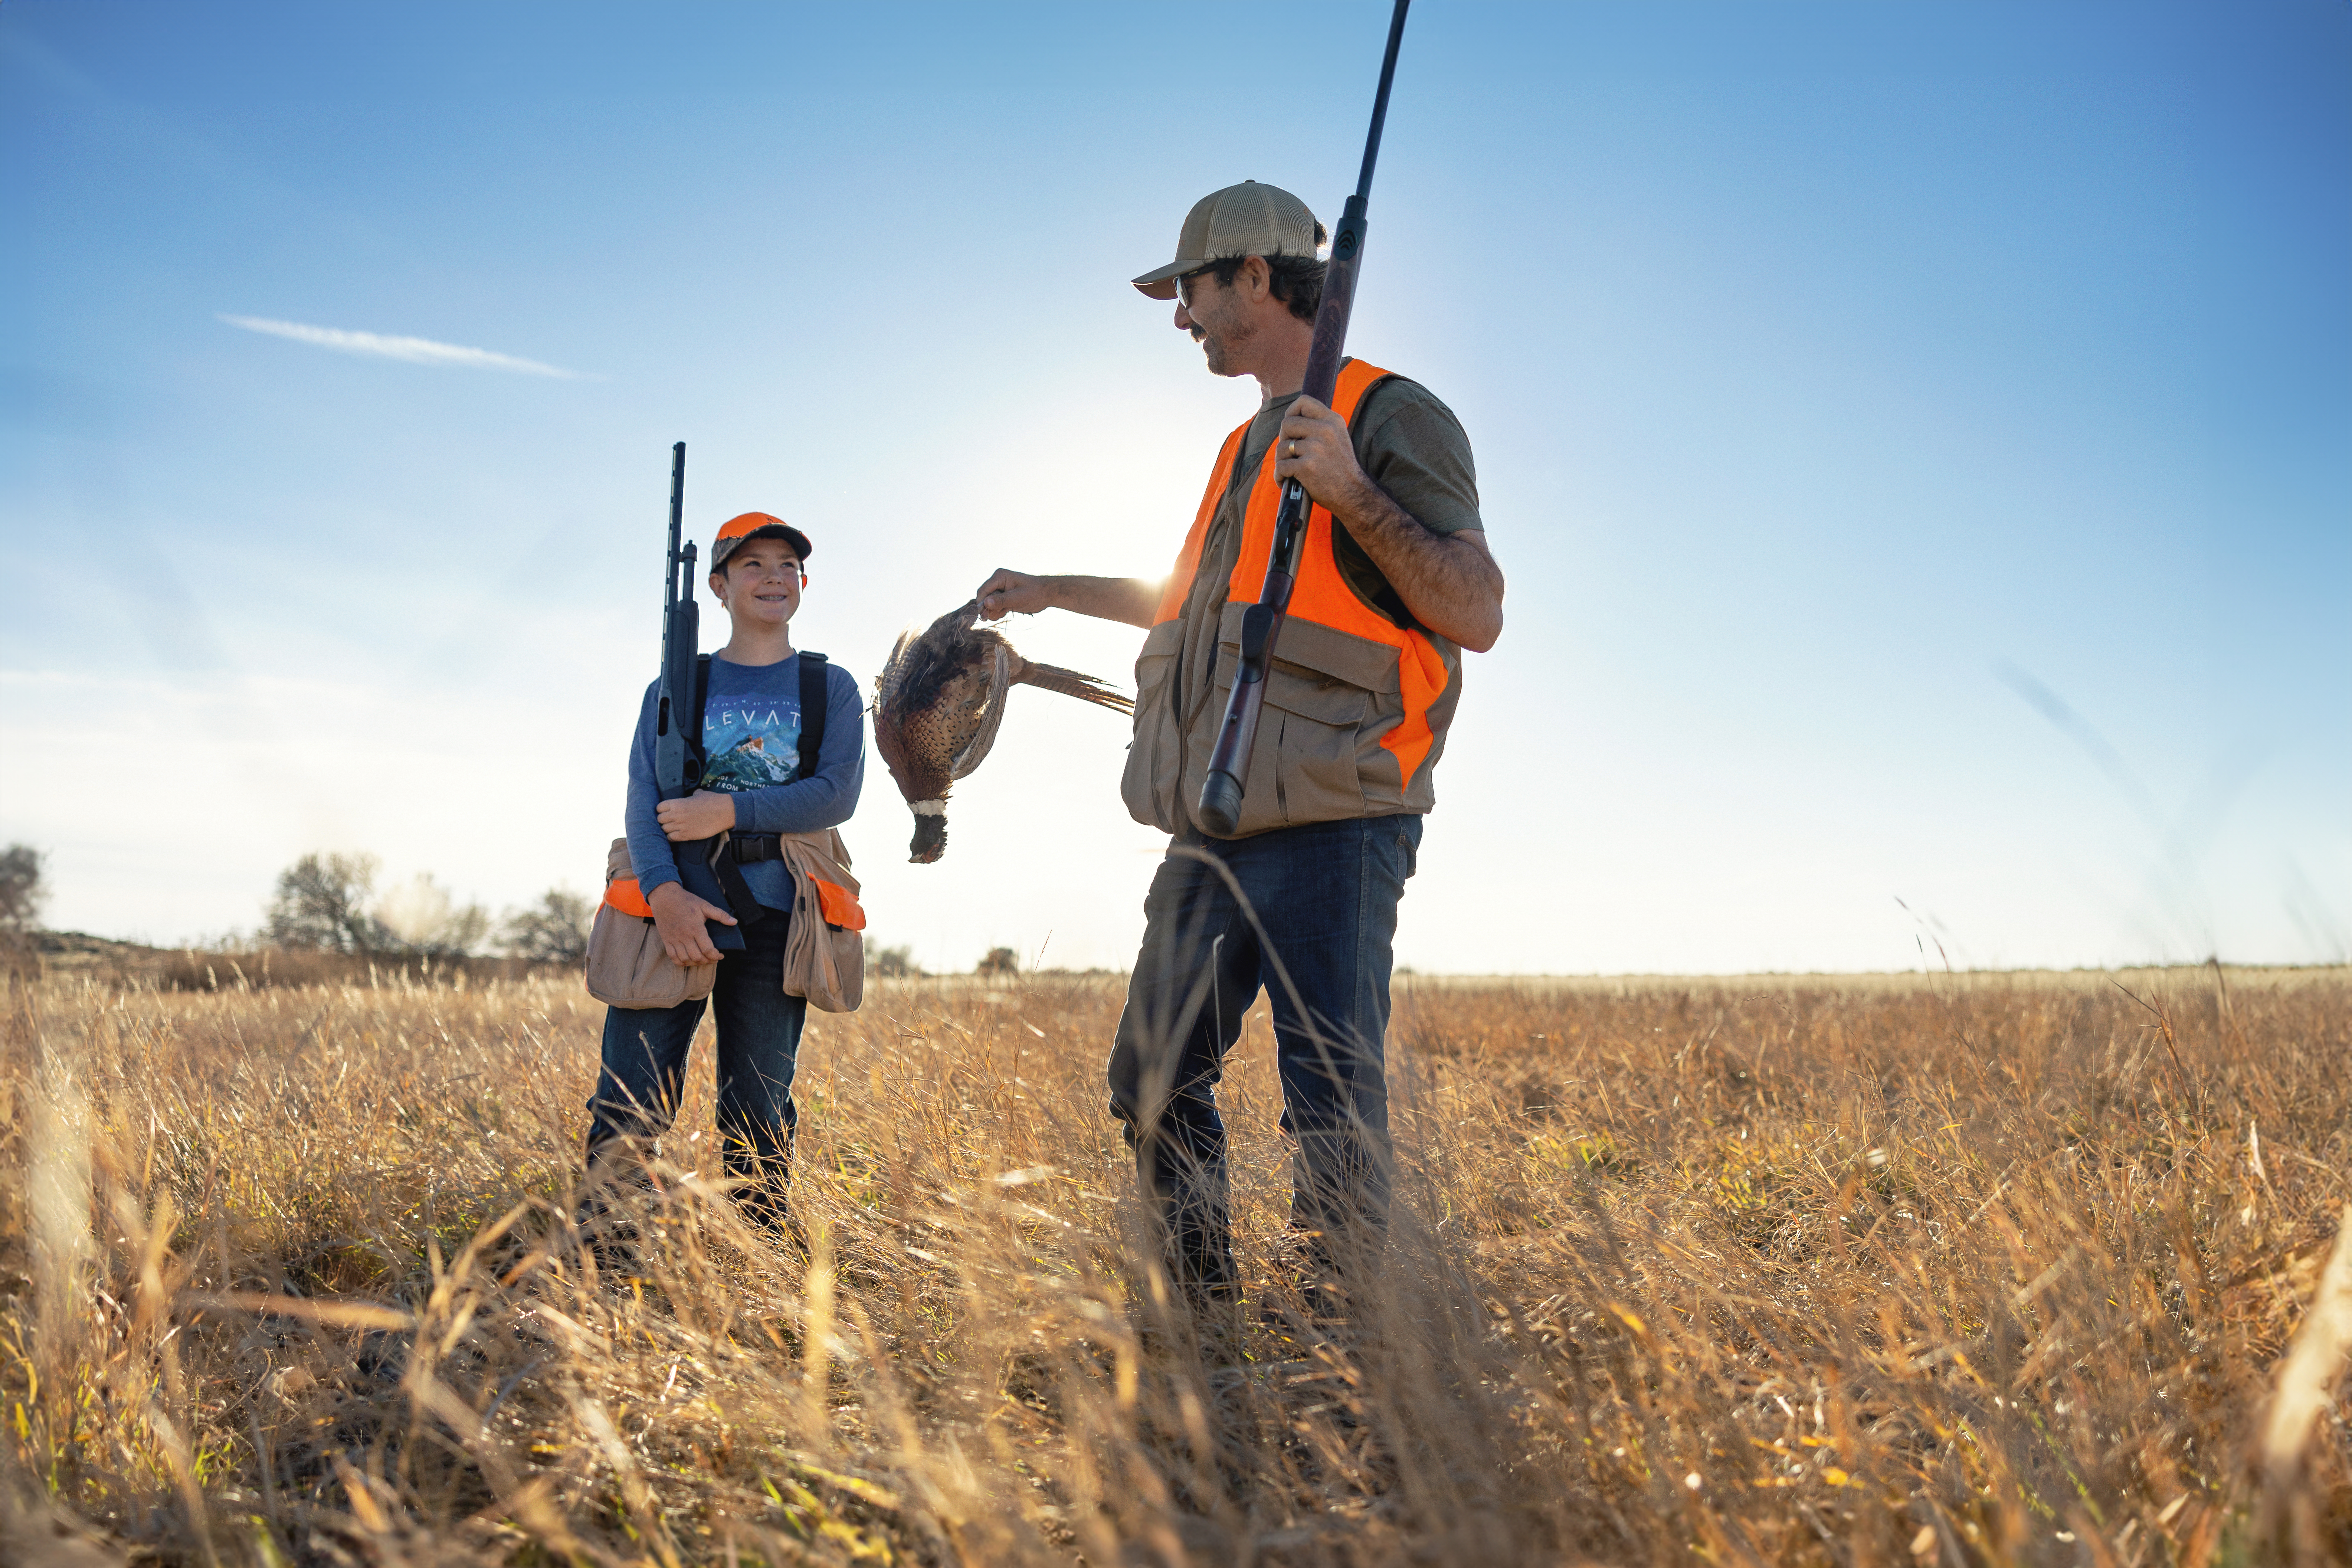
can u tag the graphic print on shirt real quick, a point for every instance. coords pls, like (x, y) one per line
(753, 742)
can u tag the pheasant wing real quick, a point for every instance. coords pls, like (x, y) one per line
(992, 714)
(894, 671)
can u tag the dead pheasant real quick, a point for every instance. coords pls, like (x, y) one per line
(937, 705)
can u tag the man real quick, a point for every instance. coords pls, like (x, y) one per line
(1395, 581)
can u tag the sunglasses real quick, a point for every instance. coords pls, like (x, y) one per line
(1184, 284)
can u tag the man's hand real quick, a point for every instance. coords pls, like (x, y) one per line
(1010, 593)
(1448, 580)
(679, 916)
(705, 814)
(1313, 447)
(1129, 600)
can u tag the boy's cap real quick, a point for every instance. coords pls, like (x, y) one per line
(755, 525)
(1247, 219)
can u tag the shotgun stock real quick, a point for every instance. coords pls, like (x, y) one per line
(1221, 792)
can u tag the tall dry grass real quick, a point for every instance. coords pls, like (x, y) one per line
(1955, 1270)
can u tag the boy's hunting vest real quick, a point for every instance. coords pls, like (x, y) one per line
(1355, 704)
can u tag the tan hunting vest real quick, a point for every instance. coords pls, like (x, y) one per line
(1356, 705)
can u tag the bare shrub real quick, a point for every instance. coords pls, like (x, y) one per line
(322, 902)
(555, 932)
(422, 918)
(23, 891)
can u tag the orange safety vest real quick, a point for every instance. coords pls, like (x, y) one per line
(1427, 665)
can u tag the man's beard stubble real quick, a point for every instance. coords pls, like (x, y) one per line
(1220, 344)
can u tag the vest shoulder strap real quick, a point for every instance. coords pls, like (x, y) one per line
(813, 707)
(1384, 599)
(701, 702)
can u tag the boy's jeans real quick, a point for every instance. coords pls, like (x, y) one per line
(1325, 898)
(643, 1075)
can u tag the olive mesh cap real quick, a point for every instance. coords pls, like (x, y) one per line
(1247, 219)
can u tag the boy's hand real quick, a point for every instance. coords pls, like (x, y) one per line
(679, 916)
(705, 814)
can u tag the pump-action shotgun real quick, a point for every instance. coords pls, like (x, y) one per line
(677, 723)
(1221, 792)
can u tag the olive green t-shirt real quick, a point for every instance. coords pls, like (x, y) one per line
(1409, 444)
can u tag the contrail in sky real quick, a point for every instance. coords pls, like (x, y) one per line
(415, 351)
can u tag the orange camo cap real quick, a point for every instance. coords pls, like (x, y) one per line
(755, 525)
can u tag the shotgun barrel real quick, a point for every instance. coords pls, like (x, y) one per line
(677, 717)
(681, 641)
(1221, 792)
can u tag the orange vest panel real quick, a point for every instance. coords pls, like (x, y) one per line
(1322, 593)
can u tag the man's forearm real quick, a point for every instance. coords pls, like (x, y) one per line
(1447, 580)
(1132, 600)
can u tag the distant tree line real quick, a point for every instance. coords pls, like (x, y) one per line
(890, 962)
(328, 903)
(899, 963)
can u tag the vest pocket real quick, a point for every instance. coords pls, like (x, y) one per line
(1149, 782)
(627, 965)
(1315, 777)
(1319, 693)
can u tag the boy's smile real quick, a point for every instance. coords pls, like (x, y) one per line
(761, 584)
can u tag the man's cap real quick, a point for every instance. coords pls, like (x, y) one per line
(755, 525)
(1247, 219)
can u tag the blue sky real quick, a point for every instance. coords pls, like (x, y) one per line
(1919, 439)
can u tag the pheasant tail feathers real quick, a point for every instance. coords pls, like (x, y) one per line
(1085, 688)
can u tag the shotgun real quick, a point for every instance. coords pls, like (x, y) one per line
(1221, 792)
(678, 715)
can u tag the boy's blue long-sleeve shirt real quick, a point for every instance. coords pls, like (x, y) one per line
(751, 738)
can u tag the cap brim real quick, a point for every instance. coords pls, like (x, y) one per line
(1162, 285)
(789, 534)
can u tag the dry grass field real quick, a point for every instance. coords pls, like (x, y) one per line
(1939, 1269)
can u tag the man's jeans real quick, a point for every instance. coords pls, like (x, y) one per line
(1324, 898)
(643, 1077)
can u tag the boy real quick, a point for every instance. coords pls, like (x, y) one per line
(750, 787)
